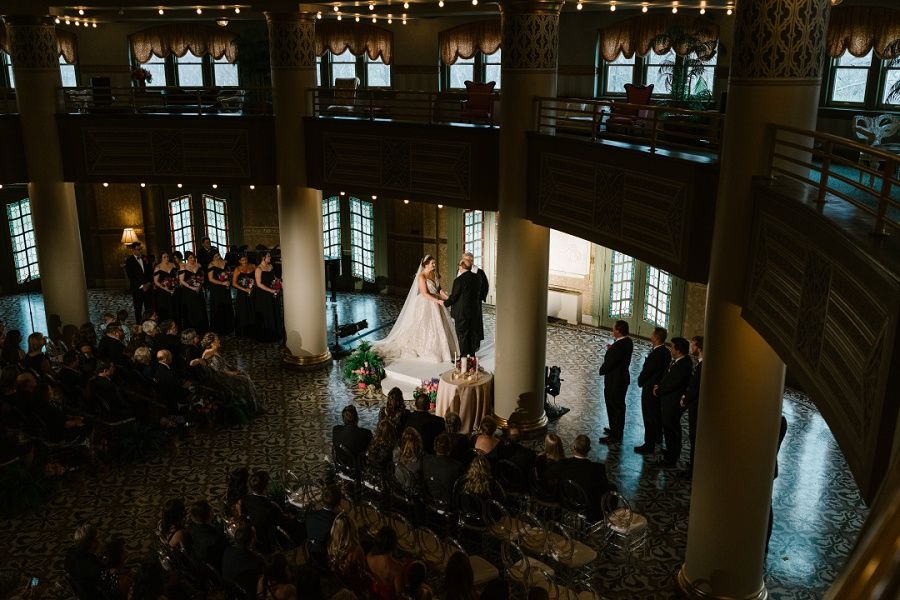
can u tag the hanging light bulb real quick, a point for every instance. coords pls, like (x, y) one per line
(237, 10)
(178, 185)
(441, 3)
(143, 185)
(339, 16)
(404, 19)
(94, 24)
(357, 18)
(406, 5)
(371, 6)
(56, 20)
(77, 23)
(252, 187)
(81, 11)
(390, 18)
(374, 197)
(161, 12)
(337, 7)
(105, 184)
(199, 11)
(729, 11)
(674, 7)
(474, 2)
(406, 202)
(579, 6)
(440, 206)
(68, 22)
(319, 15)
(702, 11)
(374, 19)
(612, 7)
(644, 7)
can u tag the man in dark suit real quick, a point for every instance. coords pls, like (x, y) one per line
(465, 305)
(691, 398)
(140, 275)
(428, 425)
(485, 287)
(616, 380)
(208, 542)
(654, 368)
(355, 438)
(108, 400)
(205, 253)
(169, 390)
(669, 390)
(510, 449)
(168, 337)
(266, 516)
(440, 471)
(319, 522)
(111, 346)
(240, 564)
(589, 475)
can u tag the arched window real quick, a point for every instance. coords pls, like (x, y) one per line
(362, 239)
(24, 247)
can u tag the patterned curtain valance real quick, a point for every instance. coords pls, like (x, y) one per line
(463, 41)
(178, 38)
(360, 38)
(859, 29)
(646, 32)
(67, 41)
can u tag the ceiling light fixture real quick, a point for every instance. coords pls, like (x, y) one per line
(215, 186)
(357, 18)
(56, 20)
(406, 5)
(81, 11)
(161, 12)
(644, 7)
(105, 184)
(579, 6)
(371, 6)
(222, 21)
(77, 24)
(199, 11)
(702, 11)
(337, 7)
(674, 8)
(374, 197)
(374, 19)
(252, 187)
(406, 202)
(319, 15)
(729, 11)
(441, 3)
(404, 19)
(94, 24)
(143, 185)
(474, 2)
(612, 7)
(390, 18)
(339, 16)
(178, 185)
(67, 21)
(342, 194)
(237, 10)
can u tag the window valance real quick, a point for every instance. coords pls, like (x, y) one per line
(359, 38)
(66, 40)
(858, 29)
(645, 32)
(463, 41)
(178, 38)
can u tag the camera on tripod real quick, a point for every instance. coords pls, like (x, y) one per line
(552, 385)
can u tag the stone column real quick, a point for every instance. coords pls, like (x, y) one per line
(775, 77)
(35, 57)
(530, 42)
(291, 43)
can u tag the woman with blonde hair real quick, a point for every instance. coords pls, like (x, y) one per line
(345, 553)
(408, 460)
(553, 452)
(478, 480)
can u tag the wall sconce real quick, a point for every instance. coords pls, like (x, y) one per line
(129, 236)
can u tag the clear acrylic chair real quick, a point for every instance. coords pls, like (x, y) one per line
(625, 530)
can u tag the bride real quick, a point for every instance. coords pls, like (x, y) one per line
(424, 329)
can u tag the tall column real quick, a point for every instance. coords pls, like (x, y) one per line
(291, 50)
(530, 42)
(775, 77)
(35, 57)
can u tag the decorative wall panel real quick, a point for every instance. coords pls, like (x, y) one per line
(656, 208)
(830, 309)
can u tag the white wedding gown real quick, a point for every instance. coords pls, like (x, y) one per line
(424, 330)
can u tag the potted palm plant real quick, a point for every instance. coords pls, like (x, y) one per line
(685, 75)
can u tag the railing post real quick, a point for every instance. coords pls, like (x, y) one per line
(823, 174)
(371, 106)
(133, 100)
(772, 135)
(888, 169)
(654, 134)
(595, 121)
(433, 99)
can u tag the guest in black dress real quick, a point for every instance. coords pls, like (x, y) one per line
(243, 279)
(265, 301)
(193, 305)
(165, 280)
(221, 311)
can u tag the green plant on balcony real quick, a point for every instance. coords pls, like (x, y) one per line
(685, 75)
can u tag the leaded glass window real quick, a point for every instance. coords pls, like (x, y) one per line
(181, 224)
(621, 288)
(473, 235)
(331, 227)
(362, 239)
(24, 247)
(216, 210)
(659, 297)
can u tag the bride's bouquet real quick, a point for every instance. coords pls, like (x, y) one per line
(429, 388)
(364, 367)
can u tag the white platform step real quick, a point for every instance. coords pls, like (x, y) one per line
(407, 374)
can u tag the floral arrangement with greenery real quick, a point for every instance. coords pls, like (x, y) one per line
(364, 367)
(429, 387)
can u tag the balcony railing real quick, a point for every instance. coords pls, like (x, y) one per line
(837, 168)
(652, 126)
(8, 103)
(178, 100)
(458, 108)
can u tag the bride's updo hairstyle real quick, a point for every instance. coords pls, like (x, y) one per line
(427, 259)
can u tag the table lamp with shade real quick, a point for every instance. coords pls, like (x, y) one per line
(129, 236)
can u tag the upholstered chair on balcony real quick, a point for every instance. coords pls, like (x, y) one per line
(479, 103)
(629, 119)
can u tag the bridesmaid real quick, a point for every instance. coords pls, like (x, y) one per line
(243, 279)
(221, 311)
(193, 305)
(265, 302)
(164, 282)
(178, 259)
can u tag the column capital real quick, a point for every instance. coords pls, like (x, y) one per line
(32, 42)
(531, 7)
(780, 39)
(292, 39)
(530, 30)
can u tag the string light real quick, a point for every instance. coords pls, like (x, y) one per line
(674, 8)
(339, 16)
(702, 11)
(729, 11)
(161, 12)
(81, 11)
(77, 23)
(474, 2)
(143, 185)
(343, 194)
(612, 7)
(199, 11)
(406, 5)
(441, 3)
(371, 6)
(319, 15)
(105, 184)
(374, 19)
(374, 197)
(237, 10)
(390, 18)
(215, 186)
(68, 22)
(94, 24)
(337, 7)
(404, 19)
(56, 20)
(440, 206)
(178, 185)
(357, 18)
(579, 6)
(252, 187)
(644, 7)
(406, 202)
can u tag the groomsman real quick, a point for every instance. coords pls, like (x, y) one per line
(616, 380)
(655, 366)
(669, 390)
(140, 274)
(485, 286)
(692, 396)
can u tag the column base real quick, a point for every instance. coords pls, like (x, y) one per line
(529, 429)
(690, 591)
(306, 363)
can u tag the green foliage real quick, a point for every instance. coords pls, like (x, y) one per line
(364, 366)
(684, 76)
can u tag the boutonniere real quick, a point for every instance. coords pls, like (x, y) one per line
(608, 346)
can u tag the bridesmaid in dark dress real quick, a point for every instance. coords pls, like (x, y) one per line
(164, 283)
(178, 259)
(221, 310)
(193, 305)
(242, 280)
(265, 301)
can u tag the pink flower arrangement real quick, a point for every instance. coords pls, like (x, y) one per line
(276, 284)
(429, 387)
(366, 375)
(224, 276)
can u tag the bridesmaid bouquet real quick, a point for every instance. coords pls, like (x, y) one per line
(224, 276)
(276, 284)
(197, 279)
(168, 283)
(429, 388)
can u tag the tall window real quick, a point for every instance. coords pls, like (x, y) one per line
(21, 231)
(617, 73)
(656, 69)
(216, 210)
(473, 235)
(378, 74)
(225, 74)
(849, 77)
(891, 83)
(157, 68)
(659, 296)
(331, 227)
(343, 66)
(6, 71)
(481, 68)
(371, 73)
(181, 224)
(189, 70)
(621, 285)
(655, 66)
(67, 73)
(362, 239)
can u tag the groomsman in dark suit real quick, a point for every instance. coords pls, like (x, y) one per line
(140, 274)
(669, 390)
(616, 380)
(692, 396)
(655, 366)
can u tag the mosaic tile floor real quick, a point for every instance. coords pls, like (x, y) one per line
(818, 509)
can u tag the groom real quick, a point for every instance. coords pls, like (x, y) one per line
(465, 304)
(485, 287)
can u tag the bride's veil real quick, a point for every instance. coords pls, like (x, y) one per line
(406, 313)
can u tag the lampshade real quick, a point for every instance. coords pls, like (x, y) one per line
(129, 236)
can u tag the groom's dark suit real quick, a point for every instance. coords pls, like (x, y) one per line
(465, 305)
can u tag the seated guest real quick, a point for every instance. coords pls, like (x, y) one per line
(108, 400)
(395, 411)
(11, 353)
(346, 556)
(207, 540)
(142, 363)
(459, 578)
(276, 581)
(83, 564)
(428, 425)
(112, 346)
(237, 490)
(171, 524)
(168, 389)
(190, 347)
(461, 447)
(234, 380)
(416, 586)
(552, 452)
(168, 338)
(440, 471)
(36, 360)
(240, 564)
(485, 442)
(387, 572)
(479, 481)
(319, 522)
(591, 476)
(69, 376)
(381, 450)
(408, 460)
(355, 438)
(116, 578)
(510, 449)
(265, 515)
